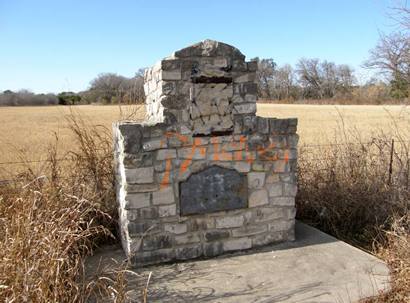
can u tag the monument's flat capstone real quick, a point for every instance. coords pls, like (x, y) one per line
(314, 268)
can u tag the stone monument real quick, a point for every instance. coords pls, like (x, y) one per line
(203, 175)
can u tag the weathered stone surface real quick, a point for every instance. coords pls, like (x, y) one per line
(281, 225)
(229, 222)
(275, 189)
(258, 197)
(164, 154)
(131, 137)
(167, 210)
(213, 189)
(256, 180)
(154, 144)
(141, 188)
(283, 201)
(141, 175)
(213, 249)
(187, 238)
(163, 196)
(176, 228)
(194, 153)
(137, 200)
(152, 242)
(203, 174)
(245, 108)
(237, 244)
(249, 230)
(214, 235)
(189, 252)
(289, 190)
(242, 167)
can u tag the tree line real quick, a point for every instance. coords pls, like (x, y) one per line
(106, 88)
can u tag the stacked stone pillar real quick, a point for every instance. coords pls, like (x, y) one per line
(204, 175)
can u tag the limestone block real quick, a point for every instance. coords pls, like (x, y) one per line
(189, 252)
(151, 242)
(170, 75)
(141, 188)
(170, 64)
(140, 175)
(256, 180)
(258, 198)
(213, 249)
(247, 77)
(221, 156)
(282, 201)
(233, 146)
(175, 228)
(289, 190)
(280, 166)
(229, 222)
(147, 213)
(249, 230)
(187, 238)
(245, 108)
(131, 136)
(167, 210)
(242, 167)
(137, 200)
(164, 154)
(275, 189)
(273, 178)
(154, 144)
(215, 235)
(194, 153)
(203, 223)
(220, 62)
(237, 244)
(163, 196)
(267, 214)
(263, 125)
(281, 225)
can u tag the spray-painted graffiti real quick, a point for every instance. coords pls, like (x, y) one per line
(220, 151)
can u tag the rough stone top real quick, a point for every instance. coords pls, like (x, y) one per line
(203, 86)
(209, 48)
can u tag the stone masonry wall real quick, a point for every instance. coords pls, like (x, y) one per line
(176, 143)
(201, 87)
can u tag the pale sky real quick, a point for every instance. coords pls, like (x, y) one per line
(53, 46)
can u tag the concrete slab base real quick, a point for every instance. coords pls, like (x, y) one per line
(314, 268)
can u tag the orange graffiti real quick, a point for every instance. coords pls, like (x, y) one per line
(219, 153)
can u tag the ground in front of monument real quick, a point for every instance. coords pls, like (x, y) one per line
(314, 268)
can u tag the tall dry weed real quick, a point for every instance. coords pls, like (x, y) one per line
(49, 223)
(358, 190)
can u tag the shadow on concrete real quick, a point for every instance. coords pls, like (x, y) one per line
(195, 277)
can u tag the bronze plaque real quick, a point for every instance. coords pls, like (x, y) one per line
(213, 189)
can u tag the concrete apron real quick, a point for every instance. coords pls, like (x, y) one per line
(314, 268)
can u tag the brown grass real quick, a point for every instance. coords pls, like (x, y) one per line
(55, 214)
(49, 223)
(27, 132)
(347, 190)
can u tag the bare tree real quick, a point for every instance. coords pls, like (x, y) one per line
(391, 57)
(309, 77)
(324, 79)
(113, 88)
(266, 69)
(283, 83)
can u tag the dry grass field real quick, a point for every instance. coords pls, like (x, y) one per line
(28, 132)
(345, 189)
